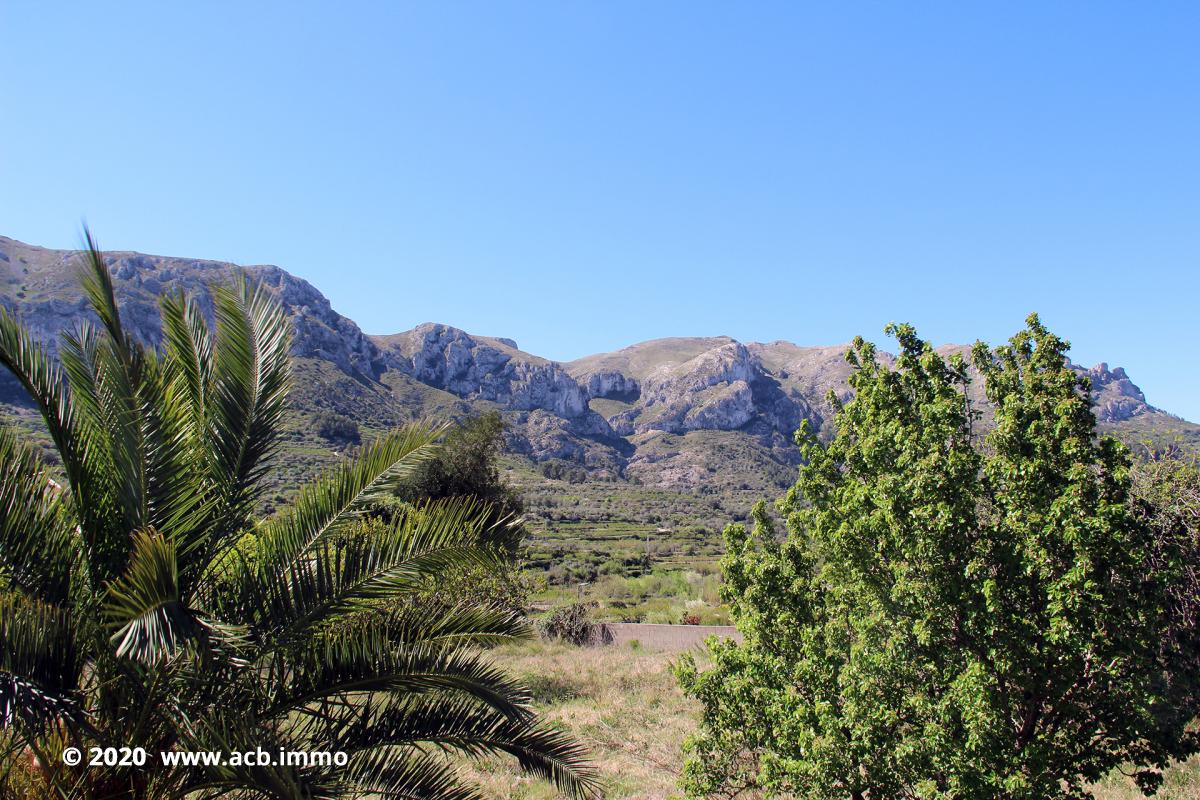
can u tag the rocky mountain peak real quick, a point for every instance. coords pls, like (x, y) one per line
(668, 411)
(476, 368)
(722, 388)
(41, 285)
(1116, 397)
(726, 363)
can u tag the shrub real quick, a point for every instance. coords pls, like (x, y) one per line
(573, 624)
(563, 471)
(336, 428)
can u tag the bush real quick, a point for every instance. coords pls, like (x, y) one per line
(336, 428)
(573, 624)
(564, 471)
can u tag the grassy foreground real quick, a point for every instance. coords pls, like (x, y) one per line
(624, 705)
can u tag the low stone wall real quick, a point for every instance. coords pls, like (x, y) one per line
(667, 637)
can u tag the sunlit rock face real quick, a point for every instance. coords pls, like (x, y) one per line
(725, 388)
(1116, 398)
(457, 362)
(46, 292)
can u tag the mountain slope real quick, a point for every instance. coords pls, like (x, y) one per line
(703, 415)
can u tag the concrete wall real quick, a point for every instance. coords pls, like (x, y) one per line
(667, 637)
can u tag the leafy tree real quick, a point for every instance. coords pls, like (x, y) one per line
(958, 610)
(336, 428)
(558, 470)
(142, 606)
(467, 465)
(1166, 499)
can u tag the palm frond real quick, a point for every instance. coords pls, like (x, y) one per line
(142, 441)
(145, 607)
(468, 623)
(180, 501)
(407, 774)
(79, 353)
(348, 571)
(464, 725)
(342, 493)
(189, 350)
(97, 285)
(111, 376)
(346, 664)
(43, 381)
(39, 665)
(228, 730)
(250, 384)
(36, 526)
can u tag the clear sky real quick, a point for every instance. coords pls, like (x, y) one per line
(582, 176)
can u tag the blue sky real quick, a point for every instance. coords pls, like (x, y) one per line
(582, 176)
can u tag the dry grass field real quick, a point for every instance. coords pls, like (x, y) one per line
(624, 704)
(621, 701)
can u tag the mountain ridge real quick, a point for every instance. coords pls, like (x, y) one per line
(667, 411)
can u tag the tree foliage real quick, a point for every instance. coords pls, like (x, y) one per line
(1166, 499)
(961, 608)
(337, 428)
(141, 605)
(466, 464)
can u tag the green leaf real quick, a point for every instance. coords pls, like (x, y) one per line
(40, 664)
(36, 527)
(145, 607)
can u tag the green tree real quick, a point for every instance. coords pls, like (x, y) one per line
(467, 465)
(952, 613)
(1166, 499)
(336, 428)
(142, 606)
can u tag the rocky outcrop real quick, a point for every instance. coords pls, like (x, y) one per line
(1116, 398)
(320, 332)
(710, 391)
(543, 436)
(725, 388)
(727, 408)
(45, 292)
(721, 365)
(612, 385)
(453, 360)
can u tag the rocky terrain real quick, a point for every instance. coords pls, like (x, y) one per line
(681, 413)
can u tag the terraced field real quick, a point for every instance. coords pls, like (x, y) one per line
(581, 531)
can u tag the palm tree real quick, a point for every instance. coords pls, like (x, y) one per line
(142, 606)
